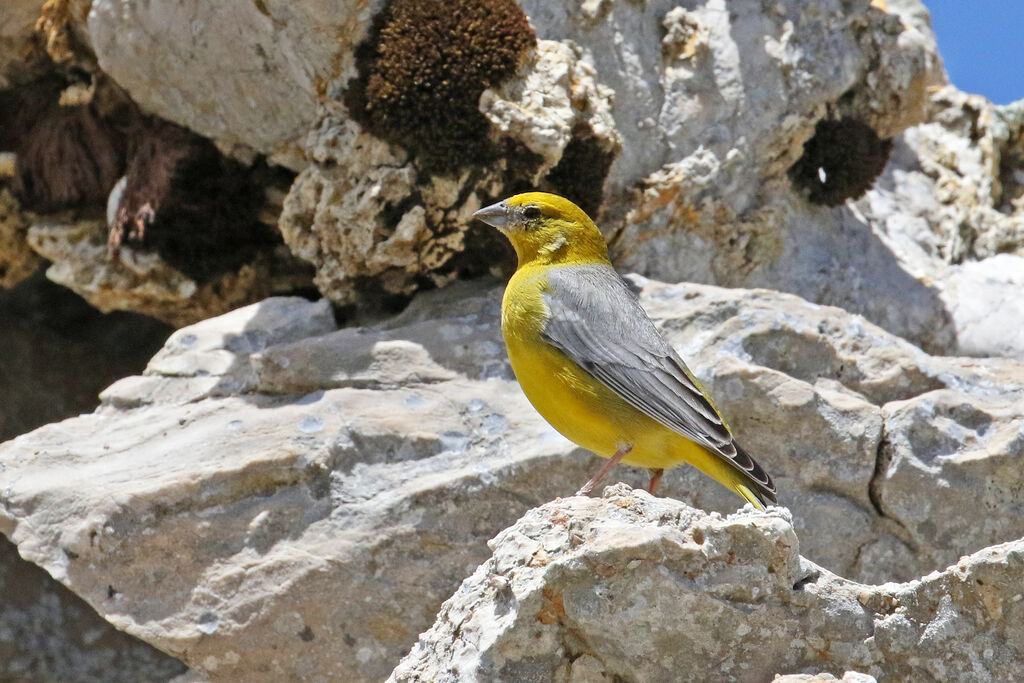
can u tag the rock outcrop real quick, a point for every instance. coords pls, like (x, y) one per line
(730, 150)
(277, 497)
(273, 460)
(56, 354)
(636, 588)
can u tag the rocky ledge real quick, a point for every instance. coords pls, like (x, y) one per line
(635, 588)
(276, 497)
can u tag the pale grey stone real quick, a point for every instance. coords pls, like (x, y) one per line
(271, 478)
(650, 589)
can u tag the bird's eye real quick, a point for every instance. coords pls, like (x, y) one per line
(531, 212)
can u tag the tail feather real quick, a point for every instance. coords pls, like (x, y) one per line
(751, 496)
(758, 484)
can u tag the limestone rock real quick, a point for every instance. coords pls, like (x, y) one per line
(17, 26)
(849, 676)
(319, 492)
(252, 74)
(950, 207)
(370, 219)
(141, 281)
(17, 260)
(289, 506)
(48, 633)
(643, 589)
(816, 391)
(555, 92)
(56, 354)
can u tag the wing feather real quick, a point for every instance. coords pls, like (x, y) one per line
(597, 322)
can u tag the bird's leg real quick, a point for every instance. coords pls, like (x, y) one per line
(603, 472)
(656, 473)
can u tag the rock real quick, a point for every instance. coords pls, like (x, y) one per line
(56, 354)
(813, 388)
(250, 74)
(949, 206)
(648, 589)
(279, 460)
(706, 157)
(17, 260)
(985, 303)
(944, 451)
(49, 633)
(140, 280)
(17, 29)
(369, 217)
(850, 676)
(273, 493)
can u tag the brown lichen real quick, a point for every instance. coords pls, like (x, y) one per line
(841, 161)
(423, 68)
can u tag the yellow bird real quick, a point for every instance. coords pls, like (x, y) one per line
(593, 364)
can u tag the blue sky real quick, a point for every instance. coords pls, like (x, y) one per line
(982, 45)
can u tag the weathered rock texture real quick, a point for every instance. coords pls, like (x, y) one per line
(189, 233)
(722, 147)
(56, 355)
(47, 633)
(949, 206)
(319, 492)
(637, 588)
(137, 279)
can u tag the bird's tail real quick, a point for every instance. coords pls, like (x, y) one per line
(750, 495)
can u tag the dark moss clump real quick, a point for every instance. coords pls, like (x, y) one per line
(581, 171)
(65, 156)
(422, 69)
(189, 203)
(182, 198)
(841, 161)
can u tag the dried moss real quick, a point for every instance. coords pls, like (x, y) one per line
(423, 68)
(65, 156)
(841, 161)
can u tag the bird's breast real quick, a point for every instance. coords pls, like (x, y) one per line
(577, 405)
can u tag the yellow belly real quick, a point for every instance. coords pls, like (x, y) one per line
(580, 407)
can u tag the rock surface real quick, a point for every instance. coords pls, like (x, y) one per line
(694, 150)
(56, 355)
(949, 207)
(636, 588)
(139, 280)
(279, 460)
(47, 633)
(241, 73)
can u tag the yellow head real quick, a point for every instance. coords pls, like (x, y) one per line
(546, 229)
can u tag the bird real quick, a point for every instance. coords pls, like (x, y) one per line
(592, 362)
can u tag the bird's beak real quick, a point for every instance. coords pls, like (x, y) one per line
(496, 215)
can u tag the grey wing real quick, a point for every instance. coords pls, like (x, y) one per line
(597, 322)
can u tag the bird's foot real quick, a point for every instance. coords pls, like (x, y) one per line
(656, 473)
(586, 489)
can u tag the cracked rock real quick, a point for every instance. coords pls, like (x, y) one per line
(141, 281)
(637, 588)
(303, 479)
